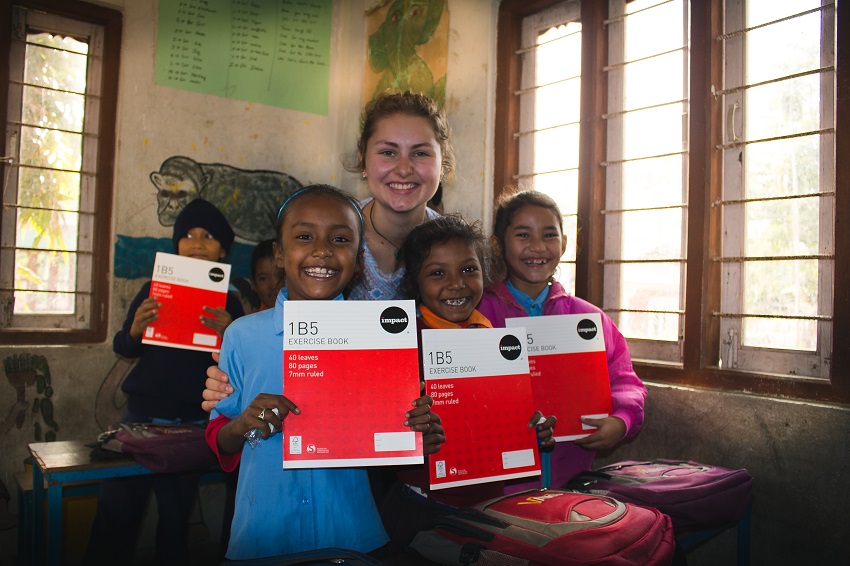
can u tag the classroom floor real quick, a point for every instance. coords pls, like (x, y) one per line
(204, 536)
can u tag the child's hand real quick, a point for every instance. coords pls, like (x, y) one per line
(217, 386)
(545, 432)
(434, 437)
(259, 414)
(610, 430)
(220, 321)
(421, 419)
(147, 312)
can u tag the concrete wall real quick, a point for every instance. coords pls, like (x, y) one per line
(797, 452)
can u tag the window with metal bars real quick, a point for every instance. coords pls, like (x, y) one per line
(777, 204)
(59, 145)
(708, 188)
(550, 98)
(646, 169)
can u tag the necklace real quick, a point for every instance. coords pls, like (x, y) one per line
(375, 228)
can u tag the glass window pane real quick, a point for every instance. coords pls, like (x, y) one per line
(782, 228)
(654, 131)
(782, 167)
(53, 109)
(649, 325)
(566, 276)
(652, 234)
(557, 104)
(779, 333)
(653, 31)
(785, 48)
(51, 148)
(562, 187)
(39, 273)
(654, 81)
(556, 148)
(43, 188)
(653, 182)
(781, 108)
(47, 229)
(45, 271)
(650, 287)
(569, 223)
(56, 69)
(59, 42)
(781, 287)
(558, 59)
(36, 302)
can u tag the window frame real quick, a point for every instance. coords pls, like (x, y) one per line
(111, 22)
(734, 350)
(701, 347)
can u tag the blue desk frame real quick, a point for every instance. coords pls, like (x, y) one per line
(68, 462)
(57, 464)
(692, 540)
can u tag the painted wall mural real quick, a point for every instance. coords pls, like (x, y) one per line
(408, 48)
(249, 199)
(29, 376)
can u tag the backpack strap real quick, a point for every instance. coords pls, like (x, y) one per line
(439, 549)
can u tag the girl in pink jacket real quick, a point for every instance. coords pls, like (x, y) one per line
(528, 242)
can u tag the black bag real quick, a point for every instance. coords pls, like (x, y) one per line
(162, 448)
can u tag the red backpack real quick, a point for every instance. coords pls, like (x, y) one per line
(550, 527)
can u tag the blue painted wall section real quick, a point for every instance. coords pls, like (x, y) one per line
(134, 257)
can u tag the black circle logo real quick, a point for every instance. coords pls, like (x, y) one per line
(586, 329)
(510, 347)
(394, 320)
(216, 274)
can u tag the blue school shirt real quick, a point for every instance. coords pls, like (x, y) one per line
(534, 307)
(283, 511)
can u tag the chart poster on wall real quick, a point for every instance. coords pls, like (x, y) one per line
(274, 52)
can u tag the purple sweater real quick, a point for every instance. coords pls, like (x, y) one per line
(627, 390)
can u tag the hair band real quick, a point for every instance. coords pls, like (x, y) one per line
(351, 201)
(289, 198)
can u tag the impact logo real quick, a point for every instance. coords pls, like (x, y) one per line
(586, 329)
(394, 320)
(216, 274)
(510, 347)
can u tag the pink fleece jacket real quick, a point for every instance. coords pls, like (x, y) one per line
(627, 390)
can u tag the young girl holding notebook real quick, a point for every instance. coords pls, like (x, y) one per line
(444, 263)
(528, 242)
(320, 236)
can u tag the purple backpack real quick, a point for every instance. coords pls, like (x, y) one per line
(695, 496)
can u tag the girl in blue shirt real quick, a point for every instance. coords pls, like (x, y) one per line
(320, 233)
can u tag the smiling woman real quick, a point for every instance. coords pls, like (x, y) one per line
(403, 154)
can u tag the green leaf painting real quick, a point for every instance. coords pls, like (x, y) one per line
(397, 59)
